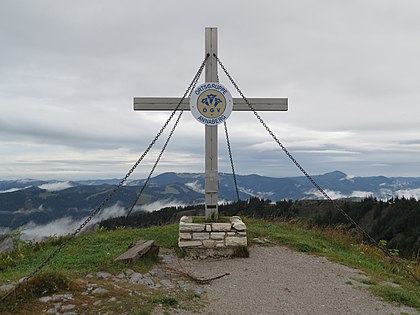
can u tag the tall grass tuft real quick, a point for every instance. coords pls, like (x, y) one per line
(39, 285)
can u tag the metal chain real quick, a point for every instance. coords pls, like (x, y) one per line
(112, 193)
(230, 153)
(336, 205)
(194, 83)
(154, 166)
(322, 191)
(231, 161)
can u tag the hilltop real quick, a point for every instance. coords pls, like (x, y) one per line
(83, 278)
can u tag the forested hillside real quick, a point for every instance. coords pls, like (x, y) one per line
(396, 221)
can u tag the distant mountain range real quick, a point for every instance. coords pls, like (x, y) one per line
(28, 201)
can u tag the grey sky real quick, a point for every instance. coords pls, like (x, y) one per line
(69, 71)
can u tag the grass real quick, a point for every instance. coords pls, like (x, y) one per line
(89, 252)
(397, 295)
(41, 284)
(95, 251)
(164, 300)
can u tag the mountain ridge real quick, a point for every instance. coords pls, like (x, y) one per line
(42, 201)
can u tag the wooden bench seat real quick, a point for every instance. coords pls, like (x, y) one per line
(138, 250)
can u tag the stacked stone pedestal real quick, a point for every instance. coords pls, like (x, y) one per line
(202, 240)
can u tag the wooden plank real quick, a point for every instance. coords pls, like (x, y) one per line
(169, 103)
(135, 252)
(261, 104)
(160, 103)
(211, 187)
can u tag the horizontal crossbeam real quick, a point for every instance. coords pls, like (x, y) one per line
(169, 103)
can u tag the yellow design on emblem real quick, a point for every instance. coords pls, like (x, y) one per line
(211, 103)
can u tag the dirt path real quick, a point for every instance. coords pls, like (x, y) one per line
(277, 280)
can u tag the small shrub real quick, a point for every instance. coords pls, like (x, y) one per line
(47, 283)
(305, 248)
(39, 285)
(164, 300)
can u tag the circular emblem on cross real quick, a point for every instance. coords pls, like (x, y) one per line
(211, 103)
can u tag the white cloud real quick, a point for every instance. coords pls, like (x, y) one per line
(361, 193)
(252, 193)
(338, 194)
(68, 76)
(195, 186)
(333, 194)
(66, 225)
(159, 204)
(408, 193)
(10, 190)
(62, 226)
(348, 177)
(56, 186)
(29, 211)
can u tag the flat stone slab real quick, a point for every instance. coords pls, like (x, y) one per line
(221, 227)
(191, 227)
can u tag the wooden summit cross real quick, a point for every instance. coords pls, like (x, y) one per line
(211, 167)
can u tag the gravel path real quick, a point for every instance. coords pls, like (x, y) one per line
(277, 280)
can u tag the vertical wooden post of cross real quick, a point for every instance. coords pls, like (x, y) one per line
(211, 157)
(211, 137)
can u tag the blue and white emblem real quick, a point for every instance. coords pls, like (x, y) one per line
(211, 103)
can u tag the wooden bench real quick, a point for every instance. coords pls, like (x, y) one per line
(138, 250)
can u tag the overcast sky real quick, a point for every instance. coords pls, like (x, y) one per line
(69, 71)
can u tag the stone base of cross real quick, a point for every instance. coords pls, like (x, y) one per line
(211, 161)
